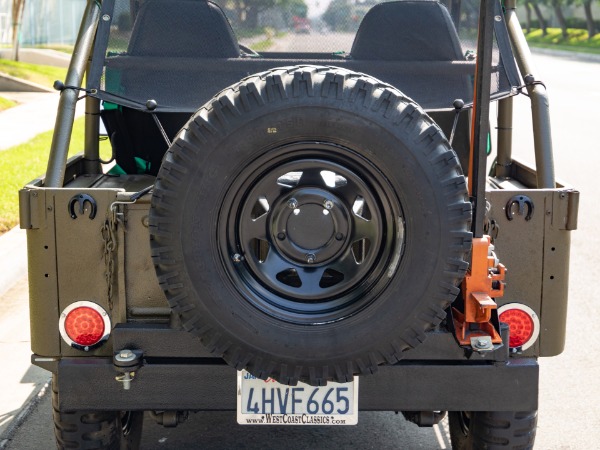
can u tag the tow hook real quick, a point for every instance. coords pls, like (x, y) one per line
(424, 418)
(127, 362)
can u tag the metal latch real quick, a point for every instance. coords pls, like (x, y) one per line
(127, 363)
(31, 208)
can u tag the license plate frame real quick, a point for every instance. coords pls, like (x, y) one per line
(260, 402)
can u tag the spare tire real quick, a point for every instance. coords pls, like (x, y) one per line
(309, 224)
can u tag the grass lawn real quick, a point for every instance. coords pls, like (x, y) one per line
(44, 75)
(577, 40)
(6, 103)
(22, 163)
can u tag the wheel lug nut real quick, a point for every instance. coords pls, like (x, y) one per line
(281, 236)
(310, 258)
(328, 204)
(292, 203)
(339, 236)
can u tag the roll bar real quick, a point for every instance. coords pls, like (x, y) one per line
(56, 169)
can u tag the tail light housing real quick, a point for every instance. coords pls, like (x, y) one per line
(523, 322)
(84, 325)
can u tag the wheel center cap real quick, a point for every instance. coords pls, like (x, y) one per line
(310, 226)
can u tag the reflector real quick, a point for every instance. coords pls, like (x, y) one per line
(523, 322)
(84, 325)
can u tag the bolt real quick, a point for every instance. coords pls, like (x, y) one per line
(281, 236)
(310, 258)
(125, 354)
(481, 343)
(49, 208)
(127, 380)
(106, 17)
(328, 204)
(237, 258)
(292, 203)
(339, 236)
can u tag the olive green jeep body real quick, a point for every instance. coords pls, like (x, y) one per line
(310, 223)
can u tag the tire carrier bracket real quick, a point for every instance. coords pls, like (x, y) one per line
(483, 283)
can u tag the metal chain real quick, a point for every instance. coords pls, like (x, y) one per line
(109, 234)
(109, 229)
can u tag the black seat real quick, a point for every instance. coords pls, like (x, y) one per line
(165, 34)
(192, 28)
(419, 31)
(407, 31)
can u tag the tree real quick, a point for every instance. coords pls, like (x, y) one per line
(562, 23)
(18, 7)
(337, 15)
(538, 13)
(528, 16)
(247, 11)
(589, 18)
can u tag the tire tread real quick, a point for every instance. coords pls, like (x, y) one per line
(328, 83)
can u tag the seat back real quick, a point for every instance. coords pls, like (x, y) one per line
(166, 33)
(419, 30)
(193, 28)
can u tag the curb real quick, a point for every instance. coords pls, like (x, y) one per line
(589, 57)
(44, 56)
(10, 83)
(22, 416)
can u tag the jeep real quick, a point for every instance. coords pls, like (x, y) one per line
(298, 225)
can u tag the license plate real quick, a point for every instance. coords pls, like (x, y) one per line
(267, 402)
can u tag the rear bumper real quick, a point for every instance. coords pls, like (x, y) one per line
(209, 384)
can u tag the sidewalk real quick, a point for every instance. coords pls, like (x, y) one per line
(21, 382)
(34, 114)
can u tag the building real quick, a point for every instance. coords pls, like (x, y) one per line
(45, 22)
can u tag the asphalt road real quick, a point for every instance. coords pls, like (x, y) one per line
(569, 416)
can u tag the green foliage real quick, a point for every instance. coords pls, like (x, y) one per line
(22, 163)
(245, 14)
(40, 74)
(297, 7)
(576, 22)
(577, 39)
(6, 103)
(338, 15)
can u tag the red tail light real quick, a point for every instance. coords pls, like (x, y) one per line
(84, 325)
(523, 322)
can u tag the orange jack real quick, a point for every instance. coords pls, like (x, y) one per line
(484, 282)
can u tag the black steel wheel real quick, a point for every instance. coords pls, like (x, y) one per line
(489, 430)
(310, 223)
(317, 225)
(109, 430)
